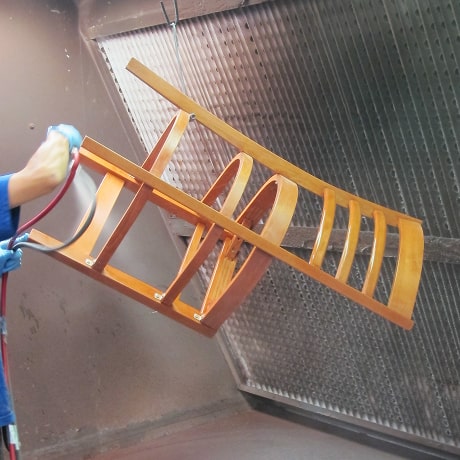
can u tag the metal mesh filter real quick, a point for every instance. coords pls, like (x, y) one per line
(365, 95)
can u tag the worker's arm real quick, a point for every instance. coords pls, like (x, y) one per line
(47, 167)
(44, 171)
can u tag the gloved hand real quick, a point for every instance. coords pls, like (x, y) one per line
(70, 132)
(11, 259)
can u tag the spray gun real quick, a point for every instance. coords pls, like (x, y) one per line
(74, 139)
(71, 134)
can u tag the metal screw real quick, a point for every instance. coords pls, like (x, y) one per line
(158, 296)
(89, 262)
(197, 316)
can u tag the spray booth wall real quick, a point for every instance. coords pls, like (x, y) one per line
(365, 95)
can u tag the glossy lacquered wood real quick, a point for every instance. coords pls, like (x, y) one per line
(235, 274)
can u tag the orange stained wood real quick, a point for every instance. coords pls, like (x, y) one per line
(409, 267)
(107, 195)
(200, 246)
(244, 254)
(325, 229)
(90, 159)
(351, 242)
(156, 163)
(378, 251)
(227, 290)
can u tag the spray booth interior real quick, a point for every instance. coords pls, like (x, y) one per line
(273, 267)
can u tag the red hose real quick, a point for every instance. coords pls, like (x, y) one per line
(72, 171)
(51, 205)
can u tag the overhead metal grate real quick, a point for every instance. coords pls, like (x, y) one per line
(365, 95)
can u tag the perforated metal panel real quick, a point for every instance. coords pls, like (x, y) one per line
(365, 95)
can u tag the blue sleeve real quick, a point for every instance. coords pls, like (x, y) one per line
(9, 218)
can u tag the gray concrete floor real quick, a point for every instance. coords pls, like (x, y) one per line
(250, 435)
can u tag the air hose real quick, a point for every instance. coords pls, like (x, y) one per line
(10, 436)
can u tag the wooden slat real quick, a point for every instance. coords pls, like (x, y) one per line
(232, 291)
(193, 245)
(194, 262)
(408, 269)
(169, 140)
(107, 195)
(220, 279)
(239, 169)
(378, 250)
(351, 242)
(325, 229)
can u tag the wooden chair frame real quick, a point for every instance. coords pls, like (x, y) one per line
(275, 202)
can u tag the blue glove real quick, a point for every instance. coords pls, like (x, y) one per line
(11, 259)
(70, 132)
